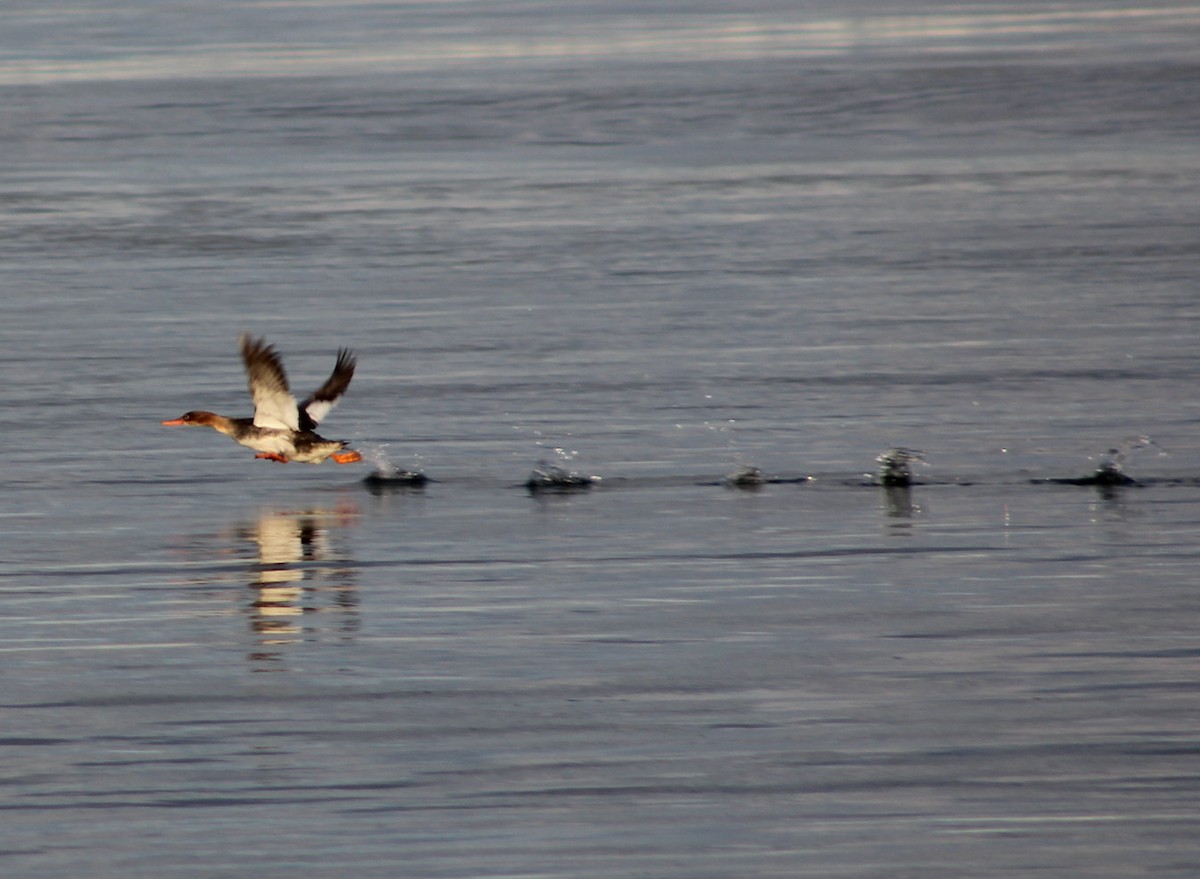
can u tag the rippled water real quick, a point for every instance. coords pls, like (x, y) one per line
(644, 244)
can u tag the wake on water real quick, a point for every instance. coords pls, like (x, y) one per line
(895, 469)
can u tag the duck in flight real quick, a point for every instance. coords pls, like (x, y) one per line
(281, 430)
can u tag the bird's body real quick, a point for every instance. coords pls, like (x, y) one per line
(281, 430)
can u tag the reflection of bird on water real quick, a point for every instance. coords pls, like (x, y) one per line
(898, 502)
(288, 576)
(281, 430)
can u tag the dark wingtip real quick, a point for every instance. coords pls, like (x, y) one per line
(256, 346)
(346, 361)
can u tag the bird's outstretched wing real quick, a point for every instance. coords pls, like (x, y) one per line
(274, 405)
(314, 409)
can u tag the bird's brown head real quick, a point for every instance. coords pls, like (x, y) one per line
(191, 419)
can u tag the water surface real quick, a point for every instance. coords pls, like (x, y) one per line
(654, 245)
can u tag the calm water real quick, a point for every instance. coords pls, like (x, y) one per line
(651, 244)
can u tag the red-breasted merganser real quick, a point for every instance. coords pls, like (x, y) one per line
(281, 430)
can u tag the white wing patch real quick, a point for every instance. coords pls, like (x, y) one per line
(275, 408)
(317, 405)
(318, 409)
(274, 405)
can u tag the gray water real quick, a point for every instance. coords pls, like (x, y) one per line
(652, 243)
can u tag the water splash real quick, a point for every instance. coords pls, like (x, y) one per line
(744, 476)
(896, 466)
(556, 474)
(1111, 467)
(387, 472)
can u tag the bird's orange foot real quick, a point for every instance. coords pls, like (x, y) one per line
(346, 457)
(271, 456)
